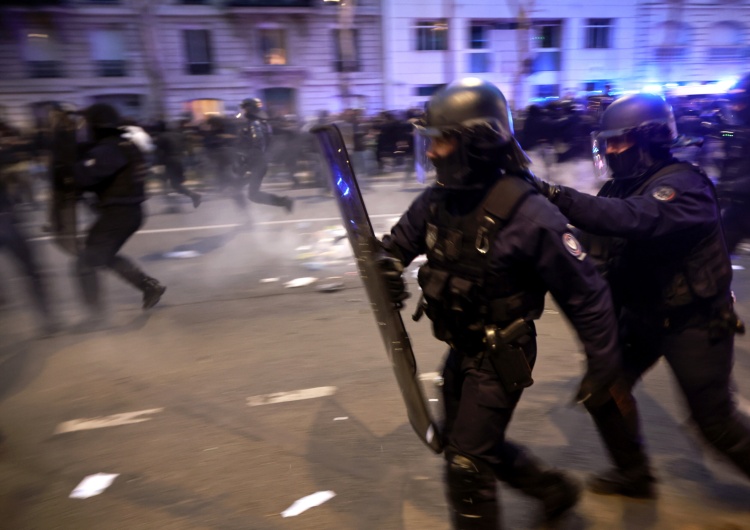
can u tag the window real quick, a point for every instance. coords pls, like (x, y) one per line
(273, 46)
(346, 46)
(42, 54)
(670, 40)
(727, 40)
(479, 54)
(547, 91)
(547, 37)
(598, 33)
(432, 35)
(427, 90)
(198, 51)
(108, 52)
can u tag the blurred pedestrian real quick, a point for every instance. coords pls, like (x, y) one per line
(253, 140)
(168, 153)
(113, 168)
(13, 240)
(734, 179)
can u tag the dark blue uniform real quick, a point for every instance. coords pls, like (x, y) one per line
(665, 258)
(505, 272)
(734, 185)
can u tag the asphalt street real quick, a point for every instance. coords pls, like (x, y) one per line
(240, 394)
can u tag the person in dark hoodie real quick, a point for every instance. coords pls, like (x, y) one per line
(113, 169)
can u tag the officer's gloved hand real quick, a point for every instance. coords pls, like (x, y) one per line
(548, 189)
(392, 270)
(592, 392)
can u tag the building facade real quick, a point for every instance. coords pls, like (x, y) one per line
(550, 48)
(165, 58)
(161, 59)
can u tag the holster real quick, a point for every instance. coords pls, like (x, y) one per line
(507, 357)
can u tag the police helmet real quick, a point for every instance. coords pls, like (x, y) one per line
(648, 116)
(465, 104)
(648, 119)
(476, 113)
(253, 107)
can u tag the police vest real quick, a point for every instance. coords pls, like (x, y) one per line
(462, 293)
(683, 275)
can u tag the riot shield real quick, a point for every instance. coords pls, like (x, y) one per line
(62, 208)
(366, 246)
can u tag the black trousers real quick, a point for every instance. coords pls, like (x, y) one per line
(478, 411)
(115, 225)
(174, 173)
(257, 167)
(12, 239)
(736, 220)
(702, 367)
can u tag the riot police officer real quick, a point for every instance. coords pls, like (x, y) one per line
(494, 247)
(114, 169)
(655, 229)
(734, 179)
(253, 139)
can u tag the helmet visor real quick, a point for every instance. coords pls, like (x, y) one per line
(423, 167)
(598, 150)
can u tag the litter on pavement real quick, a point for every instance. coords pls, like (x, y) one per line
(93, 485)
(300, 282)
(305, 503)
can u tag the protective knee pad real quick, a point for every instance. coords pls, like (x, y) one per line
(472, 494)
(730, 436)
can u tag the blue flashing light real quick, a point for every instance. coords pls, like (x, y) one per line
(653, 89)
(342, 186)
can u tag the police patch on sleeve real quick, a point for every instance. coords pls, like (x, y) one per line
(664, 193)
(573, 246)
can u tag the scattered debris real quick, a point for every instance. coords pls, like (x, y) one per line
(330, 287)
(182, 254)
(93, 485)
(305, 503)
(300, 282)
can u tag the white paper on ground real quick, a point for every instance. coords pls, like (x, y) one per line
(300, 282)
(93, 485)
(305, 503)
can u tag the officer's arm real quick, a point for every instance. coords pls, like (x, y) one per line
(98, 165)
(407, 238)
(666, 207)
(582, 294)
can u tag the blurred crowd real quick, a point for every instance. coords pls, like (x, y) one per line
(559, 130)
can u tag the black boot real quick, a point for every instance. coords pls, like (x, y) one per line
(557, 491)
(638, 484)
(128, 271)
(152, 292)
(196, 198)
(288, 204)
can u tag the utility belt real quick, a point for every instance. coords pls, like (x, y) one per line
(719, 318)
(501, 346)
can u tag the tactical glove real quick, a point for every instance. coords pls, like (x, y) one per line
(549, 190)
(592, 392)
(391, 269)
